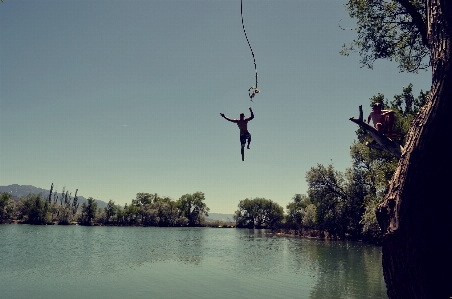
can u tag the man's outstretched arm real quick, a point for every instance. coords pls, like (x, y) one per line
(227, 118)
(386, 112)
(252, 114)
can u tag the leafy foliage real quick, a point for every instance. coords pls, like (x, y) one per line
(296, 210)
(89, 211)
(66, 212)
(7, 207)
(258, 213)
(34, 210)
(192, 207)
(110, 211)
(337, 200)
(390, 29)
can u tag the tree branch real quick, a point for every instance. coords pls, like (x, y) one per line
(418, 20)
(382, 142)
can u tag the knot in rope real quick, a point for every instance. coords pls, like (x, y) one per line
(252, 92)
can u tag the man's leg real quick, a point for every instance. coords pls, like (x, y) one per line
(249, 140)
(379, 127)
(242, 145)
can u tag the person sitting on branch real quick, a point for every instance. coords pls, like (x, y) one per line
(383, 119)
(245, 135)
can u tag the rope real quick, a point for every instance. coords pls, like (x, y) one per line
(253, 89)
(338, 24)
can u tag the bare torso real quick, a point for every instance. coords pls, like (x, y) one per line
(378, 117)
(242, 122)
(243, 125)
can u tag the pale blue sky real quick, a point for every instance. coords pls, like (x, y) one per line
(119, 97)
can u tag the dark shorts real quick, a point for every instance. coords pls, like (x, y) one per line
(384, 127)
(244, 137)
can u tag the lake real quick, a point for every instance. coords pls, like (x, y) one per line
(148, 262)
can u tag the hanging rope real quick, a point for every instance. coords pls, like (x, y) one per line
(338, 24)
(253, 89)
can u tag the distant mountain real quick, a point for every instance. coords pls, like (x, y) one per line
(22, 190)
(18, 191)
(220, 217)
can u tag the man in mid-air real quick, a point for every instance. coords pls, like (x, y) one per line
(245, 135)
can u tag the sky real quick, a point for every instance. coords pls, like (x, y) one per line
(116, 97)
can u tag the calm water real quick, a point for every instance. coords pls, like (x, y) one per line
(136, 262)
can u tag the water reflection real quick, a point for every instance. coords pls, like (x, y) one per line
(189, 246)
(350, 269)
(62, 250)
(257, 253)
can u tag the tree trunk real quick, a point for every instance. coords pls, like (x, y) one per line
(416, 213)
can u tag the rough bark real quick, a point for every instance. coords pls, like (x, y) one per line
(416, 213)
(383, 143)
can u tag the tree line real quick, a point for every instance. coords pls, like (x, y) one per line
(146, 209)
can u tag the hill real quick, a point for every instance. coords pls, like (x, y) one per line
(18, 191)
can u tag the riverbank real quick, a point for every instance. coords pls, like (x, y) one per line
(212, 224)
(317, 234)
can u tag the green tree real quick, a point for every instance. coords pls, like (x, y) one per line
(146, 198)
(414, 216)
(89, 212)
(371, 171)
(65, 210)
(273, 214)
(110, 211)
(193, 208)
(297, 208)
(120, 217)
(4, 200)
(146, 210)
(167, 212)
(130, 214)
(327, 189)
(246, 215)
(309, 216)
(75, 203)
(394, 30)
(6, 207)
(34, 210)
(258, 213)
